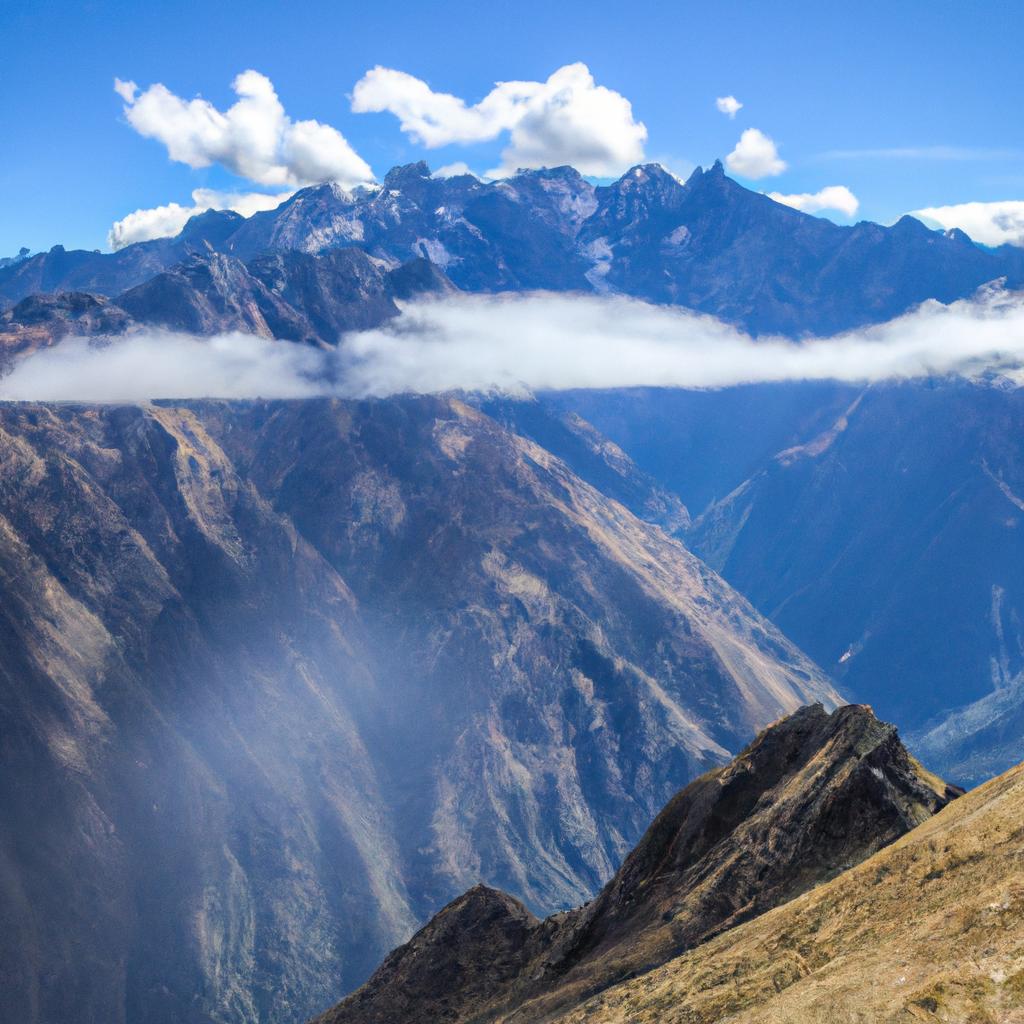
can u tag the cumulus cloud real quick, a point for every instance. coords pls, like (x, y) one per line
(728, 105)
(254, 138)
(989, 223)
(453, 170)
(568, 119)
(521, 343)
(755, 156)
(832, 197)
(166, 221)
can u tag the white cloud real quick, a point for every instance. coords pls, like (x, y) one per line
(755, 156)
(832, 197)
(254, 138)
(126, 90)
(166, 365)
(988, 223)
(166, 221)
(728, 105)
(533, 342)
(453, 170)
(518, 343)
(568, 119)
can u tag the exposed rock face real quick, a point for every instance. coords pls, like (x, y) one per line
(707, 244)
(291, 296)
(879, 527)
(280, 679)
(814, 795)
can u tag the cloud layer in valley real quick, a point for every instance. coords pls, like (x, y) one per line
(568, 119)
(159, 364)
(254, 138)
(998, 223)
(521, 343)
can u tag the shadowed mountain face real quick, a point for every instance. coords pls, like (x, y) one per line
(279, 680)
(814, 795)
(880, 528)
(708, 244)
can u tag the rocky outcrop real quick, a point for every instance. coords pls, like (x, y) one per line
(814, 795)
(928, 929)
(42, 320)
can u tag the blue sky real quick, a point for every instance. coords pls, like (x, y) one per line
(908, 104)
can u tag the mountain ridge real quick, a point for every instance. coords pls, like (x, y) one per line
(647, 235)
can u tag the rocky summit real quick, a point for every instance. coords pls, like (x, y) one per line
(813, 796)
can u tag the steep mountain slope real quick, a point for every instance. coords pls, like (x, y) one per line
(813, 795)
(280, 679)
(707, 244)
(879, 527)
(890, 546)
(929, 929)
(701, 445)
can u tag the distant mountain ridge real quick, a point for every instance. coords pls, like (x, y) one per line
(706, 244)
(288, 295)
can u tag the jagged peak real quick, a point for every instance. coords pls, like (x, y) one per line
(815, 793)
(406, 174)
(649, 172)
(910, 225)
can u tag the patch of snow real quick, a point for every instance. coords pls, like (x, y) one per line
(433, 249)
(600, 252)
(677, 239)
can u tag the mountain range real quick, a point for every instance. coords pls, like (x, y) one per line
(283, 679)
(707, 244)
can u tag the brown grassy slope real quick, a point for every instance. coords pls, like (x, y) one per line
(929, 929)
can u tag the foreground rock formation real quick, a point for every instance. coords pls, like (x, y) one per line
(814, 795)
(929, 929)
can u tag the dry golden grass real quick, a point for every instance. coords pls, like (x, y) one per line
(929, 929)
